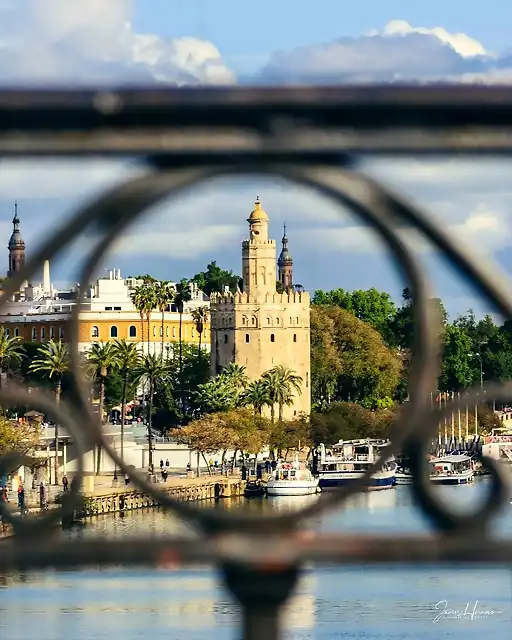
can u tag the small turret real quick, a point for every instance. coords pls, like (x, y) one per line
(16, 246)
(285, 263)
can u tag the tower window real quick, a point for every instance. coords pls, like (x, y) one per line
(225, 338)
(272, 337)
(244, 320)
(268, 320)
(247, 337)
(133, 331)
(95, 332)
(277, 320)
(253, 320)
(295, 337)
(113, 332)
(297, 320)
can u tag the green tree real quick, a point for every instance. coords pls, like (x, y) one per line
(52, 359)
(138, 297)
(282, 385)
(11, 353)
(457, 369)
(256, 394)
(101, 359)
(200, 317)
(128, 361)
(374, 307)
(182, 296)
(17, 437)
(349, 360)
(215, 279)
(152, 371)
(164, 296)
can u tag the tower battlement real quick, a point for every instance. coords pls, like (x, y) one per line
(260, 243)
(240, 298)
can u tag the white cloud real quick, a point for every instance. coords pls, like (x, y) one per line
(485, 229)
(61, 41)
(180, 244)
(399, 52)
(461, 43)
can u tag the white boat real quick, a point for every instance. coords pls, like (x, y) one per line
(289, 479)
(349, 459)
(453, 469)
(403, 476)
(499, 445)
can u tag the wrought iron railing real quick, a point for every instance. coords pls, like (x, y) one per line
(314, 137)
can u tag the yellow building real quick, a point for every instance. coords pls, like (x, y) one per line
(40, 312)
(259, 328)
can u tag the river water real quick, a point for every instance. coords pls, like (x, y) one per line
(357, 603)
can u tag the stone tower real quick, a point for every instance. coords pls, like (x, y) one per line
(259, 328)
(16, 246)
(285, 264)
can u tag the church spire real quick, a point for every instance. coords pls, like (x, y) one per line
(16, 245)
(285, 263)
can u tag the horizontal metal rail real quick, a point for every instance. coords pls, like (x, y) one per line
(313, 137)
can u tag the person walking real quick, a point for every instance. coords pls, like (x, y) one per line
(42, 495)
(161, 465)
(167, 463)
(65, 482)
(21, 499)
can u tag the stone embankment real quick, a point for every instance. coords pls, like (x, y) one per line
(100, 498)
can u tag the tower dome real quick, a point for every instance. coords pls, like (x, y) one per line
(257, 213)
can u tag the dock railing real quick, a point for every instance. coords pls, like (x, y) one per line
(314, 137)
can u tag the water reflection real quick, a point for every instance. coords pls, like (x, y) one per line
(133, 604)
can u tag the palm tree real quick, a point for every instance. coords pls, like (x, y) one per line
(152, 370)
(127, 359)
(53, 359)
(150, 303)
(200, 317)
(164, 296)
(257, 395)
(183, 295)
(138, 298)
(281, 384)
(11, 352)
(100, 360)
(237, 377)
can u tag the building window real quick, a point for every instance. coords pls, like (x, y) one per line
(192, 333)
(268, 320)
(133, 331)
(113, 332)
(7, 332)
(307, 380)
(34, 333)
(166, 332)
(117, 308)
(174, 332)
(244, 320)
(272, 337)
(277, 320)
(95, 332)
(161, 331)
(43, 333)
(297, 321)
(253, 320)
(295, 337)
(108, 308)
(61, 333)
(17, 332)
(291, 320)
(225, 338)
(154, 332)
(247, 337)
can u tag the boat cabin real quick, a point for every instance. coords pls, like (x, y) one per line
(451, 464)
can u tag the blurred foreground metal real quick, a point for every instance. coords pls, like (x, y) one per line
(311, 136)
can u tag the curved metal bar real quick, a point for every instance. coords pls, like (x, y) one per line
(19, 395)
(369, 204)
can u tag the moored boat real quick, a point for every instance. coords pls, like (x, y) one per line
(289, 479)
(254, 489)
(452, 469)
(348, 460)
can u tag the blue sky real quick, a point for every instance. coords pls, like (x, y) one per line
(198, 42)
